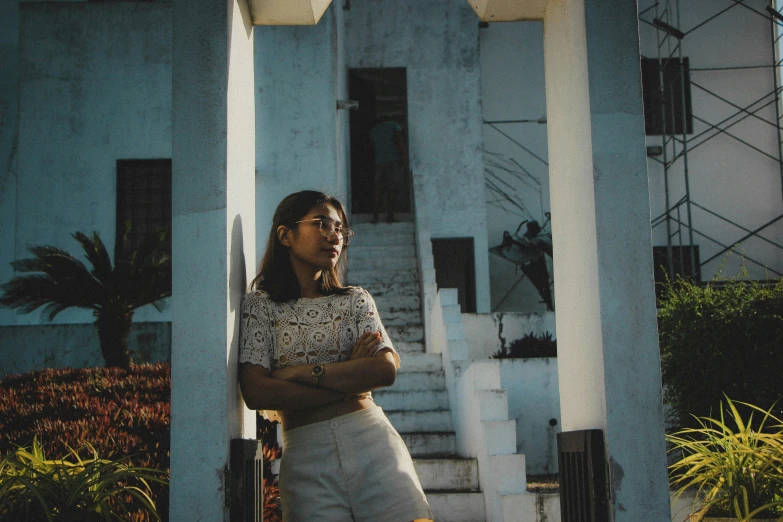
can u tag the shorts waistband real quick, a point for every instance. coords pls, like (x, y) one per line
(310, 432)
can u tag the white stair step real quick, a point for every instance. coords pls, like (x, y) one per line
(372, 251)
(384, 263)
(420, 362)
(457, 507)
(450, 474)
(402, 227)
(395, 303)
(531, 506)
(366, 277)
(420, 421)
(388, 289)
(433, 444)
(400, 318)
(418, 381)
(419, 400)
(364, 240)
(405, 333)
(409, 347)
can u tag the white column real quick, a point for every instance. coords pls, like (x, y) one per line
(575, 259)
(609, 363)
(213, 246)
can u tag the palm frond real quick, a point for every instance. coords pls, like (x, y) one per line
(26, 293)
(148, 273)
(97, 254)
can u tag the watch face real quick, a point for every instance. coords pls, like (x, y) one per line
(318, 370)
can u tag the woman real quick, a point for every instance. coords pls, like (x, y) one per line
(313, 350)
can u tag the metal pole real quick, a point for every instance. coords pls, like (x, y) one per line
(685, 153)
(662, 103)
(775, 79)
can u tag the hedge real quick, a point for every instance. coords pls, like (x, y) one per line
(725, 337)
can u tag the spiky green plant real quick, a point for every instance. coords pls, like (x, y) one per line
(57, 280)
(33, 488)
(734, 467)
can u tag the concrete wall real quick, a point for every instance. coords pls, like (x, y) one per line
(488, 333)
(512, 87)
(33, 347)
(726, 176)
(9, 124)
(95, 87)
(534, 404)
(301, 141)
(437, 42)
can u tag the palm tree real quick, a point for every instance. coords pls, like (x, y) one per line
(58, 280)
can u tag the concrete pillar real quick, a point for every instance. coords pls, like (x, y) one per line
(9, 142)
(609, 364)
(213, 246)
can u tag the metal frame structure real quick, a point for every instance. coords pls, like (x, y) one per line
(664, 17)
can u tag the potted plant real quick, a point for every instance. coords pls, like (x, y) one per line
(734, 466)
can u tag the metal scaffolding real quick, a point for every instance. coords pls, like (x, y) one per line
(676, 141)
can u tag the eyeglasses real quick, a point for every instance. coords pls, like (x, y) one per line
(329, 227)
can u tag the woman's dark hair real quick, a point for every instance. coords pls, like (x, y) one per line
(276, 276)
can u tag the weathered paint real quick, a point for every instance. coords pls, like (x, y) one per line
(94, 87)
(213, 207)
(27, 348)
(437, 42)
(9, 128)
(533, 401)
(488, 333)
(301, 134)
(632, 382)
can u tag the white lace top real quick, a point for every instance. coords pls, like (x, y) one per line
(306, 330)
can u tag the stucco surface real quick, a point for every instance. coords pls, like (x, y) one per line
(95, 87)
(32, 347)
(632, 381)
(300, 132)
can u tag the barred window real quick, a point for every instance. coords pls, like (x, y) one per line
(669, 104)
(143, 202)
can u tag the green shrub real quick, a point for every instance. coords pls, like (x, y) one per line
(722, 338)
(531, 345)
(33, 488)
(735, 467)
(121, 413)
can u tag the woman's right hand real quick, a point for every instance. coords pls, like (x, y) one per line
(365, 345)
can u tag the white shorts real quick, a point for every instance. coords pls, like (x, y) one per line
(353, 467)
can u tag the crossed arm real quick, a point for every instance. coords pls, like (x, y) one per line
(291, 388)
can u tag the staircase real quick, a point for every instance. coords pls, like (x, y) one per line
(382, 259)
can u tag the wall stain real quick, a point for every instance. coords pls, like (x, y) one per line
(498, 318)
(616, 474)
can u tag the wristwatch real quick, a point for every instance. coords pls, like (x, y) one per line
(318, 371)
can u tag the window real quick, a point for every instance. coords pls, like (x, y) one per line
(681, 263)
(455, 268)
(143, 202)
(674, 100)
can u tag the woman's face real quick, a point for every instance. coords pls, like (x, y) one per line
(308, 247)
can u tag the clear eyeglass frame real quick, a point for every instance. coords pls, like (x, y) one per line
(328, 227)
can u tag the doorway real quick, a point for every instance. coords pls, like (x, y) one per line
(455, 267)
(383, 98)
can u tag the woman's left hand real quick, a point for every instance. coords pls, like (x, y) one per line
(365, 345)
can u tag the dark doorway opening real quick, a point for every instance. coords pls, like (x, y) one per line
(383, 97)
(455, 268)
